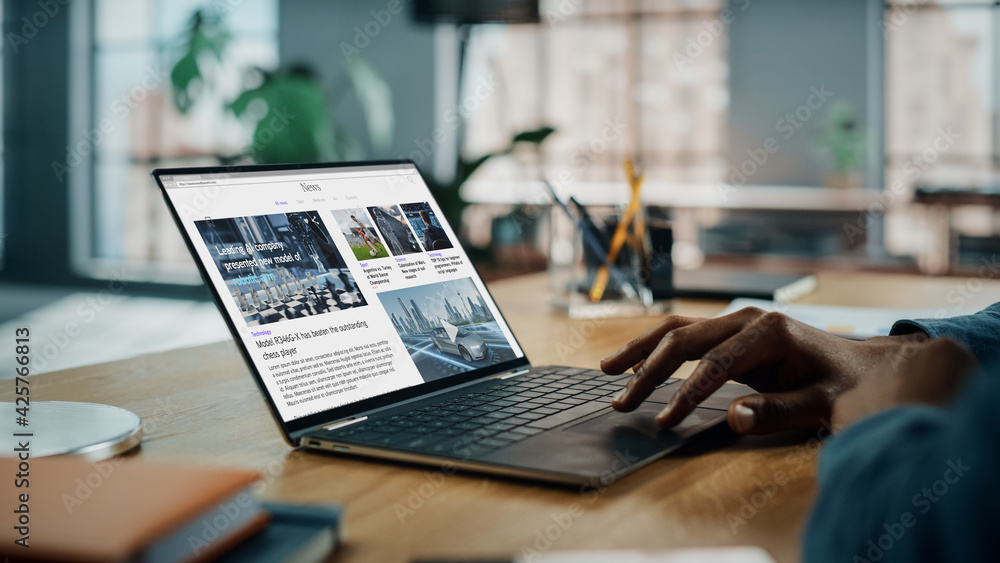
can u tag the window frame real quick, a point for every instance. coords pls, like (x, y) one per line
(84, 255)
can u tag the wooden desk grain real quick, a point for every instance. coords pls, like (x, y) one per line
(200, 406)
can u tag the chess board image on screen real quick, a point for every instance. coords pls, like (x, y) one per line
(280, 267)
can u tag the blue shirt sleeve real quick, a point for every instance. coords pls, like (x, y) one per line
(914, 483)
(979, 332)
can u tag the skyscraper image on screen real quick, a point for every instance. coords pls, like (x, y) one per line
(447, 327)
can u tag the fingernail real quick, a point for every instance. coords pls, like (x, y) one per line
(744, 419)
(618, 396)
(663, 414)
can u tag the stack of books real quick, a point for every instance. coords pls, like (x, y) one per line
(66, 509)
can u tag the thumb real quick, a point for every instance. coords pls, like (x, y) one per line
(764, 413)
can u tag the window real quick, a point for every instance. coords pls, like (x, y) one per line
(942, 87)
(590, 65)
(3, 231)
(613, 85)
(134, 126)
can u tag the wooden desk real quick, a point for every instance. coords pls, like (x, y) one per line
(200, 406)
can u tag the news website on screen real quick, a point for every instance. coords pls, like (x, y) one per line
(343, 283)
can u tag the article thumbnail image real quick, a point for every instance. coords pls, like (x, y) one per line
(394, 230)
(426, 225)
(360, 234)
(447, 328)
(280, 267)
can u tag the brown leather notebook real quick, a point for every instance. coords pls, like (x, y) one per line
(119, 510)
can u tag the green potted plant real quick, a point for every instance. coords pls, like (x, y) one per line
(841, 140)
(308, 131)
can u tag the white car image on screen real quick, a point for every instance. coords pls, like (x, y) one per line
(468, 345)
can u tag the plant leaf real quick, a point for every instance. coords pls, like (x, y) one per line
(468, 168)
(205, 35)
(184, 77)
(535, 136)
(297, 125)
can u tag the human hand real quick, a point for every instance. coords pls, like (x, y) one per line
(928, 373)
(799, 370)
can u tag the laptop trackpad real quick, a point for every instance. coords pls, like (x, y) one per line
(640, 421)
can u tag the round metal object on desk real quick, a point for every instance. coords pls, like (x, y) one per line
(88, 430)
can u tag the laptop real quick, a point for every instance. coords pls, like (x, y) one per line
(370, 333)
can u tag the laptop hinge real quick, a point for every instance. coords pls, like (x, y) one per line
(512, 373)
(345, 422)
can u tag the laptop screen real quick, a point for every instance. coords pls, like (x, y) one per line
(343, 283)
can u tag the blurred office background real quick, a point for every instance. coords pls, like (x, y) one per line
(787, 135)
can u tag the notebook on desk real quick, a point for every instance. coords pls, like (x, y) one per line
(66, 509)
(729, 283)
(365, 342)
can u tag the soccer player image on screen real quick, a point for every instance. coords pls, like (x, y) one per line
(360, 234)
(395, 232)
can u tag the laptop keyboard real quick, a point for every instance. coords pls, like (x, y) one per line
(513, 410)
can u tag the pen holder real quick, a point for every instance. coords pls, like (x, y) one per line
(587, 284)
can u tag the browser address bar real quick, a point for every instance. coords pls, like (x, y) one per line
(194, 183)
(238, 181)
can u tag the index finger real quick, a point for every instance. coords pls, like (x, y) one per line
(728, 360)
(643, 345)
(676, 347)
